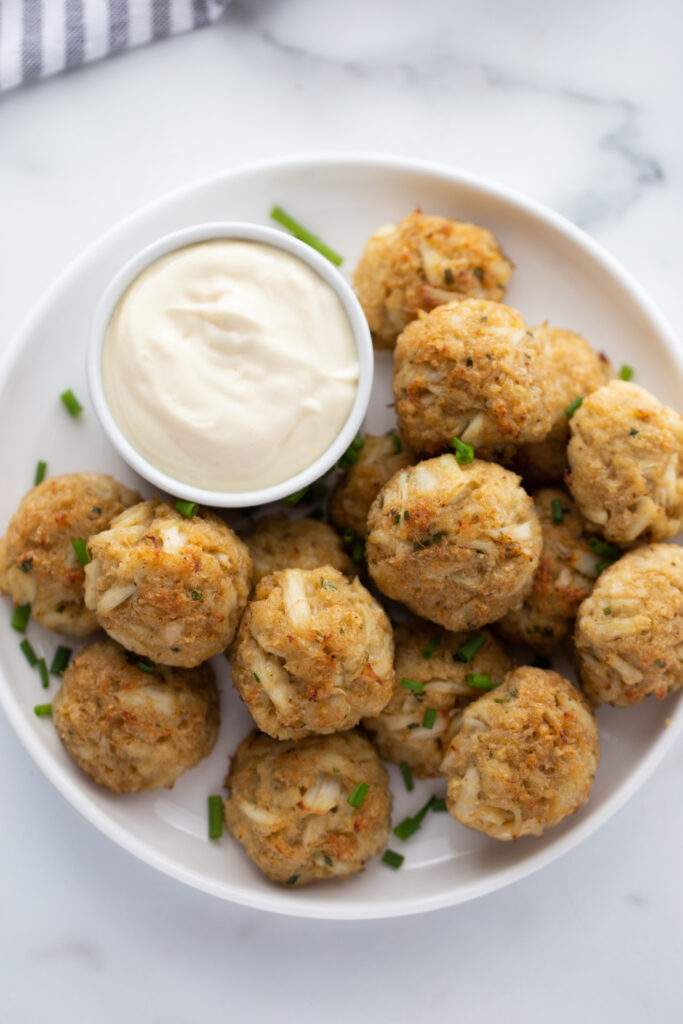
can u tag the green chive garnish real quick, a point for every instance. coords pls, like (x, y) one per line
(60, 660)
(187, 509)
(357, 795)
(464, 453)
(438, 804)
(429, 718)
(71, 403)
(407, 776)
(471, 647)
(573, 406)
(292, 880)
(556, 511)
(42, 710)
(358, 552)
(626, 372)
(480, 681)
(81, 550)
(304, 235)
(29, 653)
(601, 547)
(397, 442)
(409, 826)
(41, 665)
(294, 499)
(430, 647)
(41, 470)
(145, 665)
(413, 685)
(20, 617)
(352, 453)
(392, 859)
(215, 804)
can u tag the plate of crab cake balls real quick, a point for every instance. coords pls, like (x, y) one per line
(427, 674)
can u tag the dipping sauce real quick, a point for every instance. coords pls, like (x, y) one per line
(230, 365)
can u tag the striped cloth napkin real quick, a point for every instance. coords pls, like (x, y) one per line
(41, 37)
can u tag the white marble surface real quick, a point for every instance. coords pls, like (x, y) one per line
(579, 106)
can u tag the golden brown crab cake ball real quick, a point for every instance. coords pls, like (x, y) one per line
(523, 756)
(474, 371)
(437, 674)
(168, 587)
(457, 544)
(375, 463)
(309, 810)
(133, 726)
(421, 263)
(575, 370)
(571, 560)
(314, 654)
(279, 543)
(38, 563)
(629, 632)
(626, 464)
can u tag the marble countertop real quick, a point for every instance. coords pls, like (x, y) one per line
(577, 105)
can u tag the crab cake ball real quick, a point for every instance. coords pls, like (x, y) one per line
(131, 729)
(629, 632)
(314, 654)
(567, 570)
(376, 463)
(278, 543)
(38, 564)
(626, 464)
(318, 808)
(169, 588)
(575, 369)
(471, 370)
(458, 545)
(421, 263)
(523, 757)
(436, 670)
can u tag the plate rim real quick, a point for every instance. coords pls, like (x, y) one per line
(282, 902)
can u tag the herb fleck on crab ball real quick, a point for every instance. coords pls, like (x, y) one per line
(314, 654)
(421, 263)
(169, 588)
(308, 810)
(436, 671)
(38, 563)
(458, 545)
(523, 757)
(629, 632)
(474, 371)
(374, 465)
(131, 725)
(626, 464)
(571, 561)
(278, 543)
(575, 370)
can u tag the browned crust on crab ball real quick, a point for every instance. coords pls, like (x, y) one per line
(376, 463)
(279, 543)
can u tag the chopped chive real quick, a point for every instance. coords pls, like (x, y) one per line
(438, 804)
(480, 681)
(71, 403)
(471, 647)
(215, 805)
(60, 660)
(430, 647)
(20, 617)
(39, 476)
(42, 710)
(602, 565)
(413, 685)
(358, 552)
(81, 550)
(145, 665)
(464, 453)
(304, 235)
(397, 443)
(626, 372)
(187, 509)
(407, 776)
(26, 565)
(406, 828)
(429, 718)
(607, 610)
(573, 406)
(196, 595)
(29, 653)
(602, 547)
(352, 453)
(357, 795)
(294, 499)
(392, 859)
(292, 880)
(41, 665)
(556, 511)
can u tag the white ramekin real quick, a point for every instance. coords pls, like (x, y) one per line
(251, 233)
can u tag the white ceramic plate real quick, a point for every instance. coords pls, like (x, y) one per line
(561, 275)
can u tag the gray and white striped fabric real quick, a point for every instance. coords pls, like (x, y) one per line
(41, 37)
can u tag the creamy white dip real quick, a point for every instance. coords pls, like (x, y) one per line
(230, 365)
